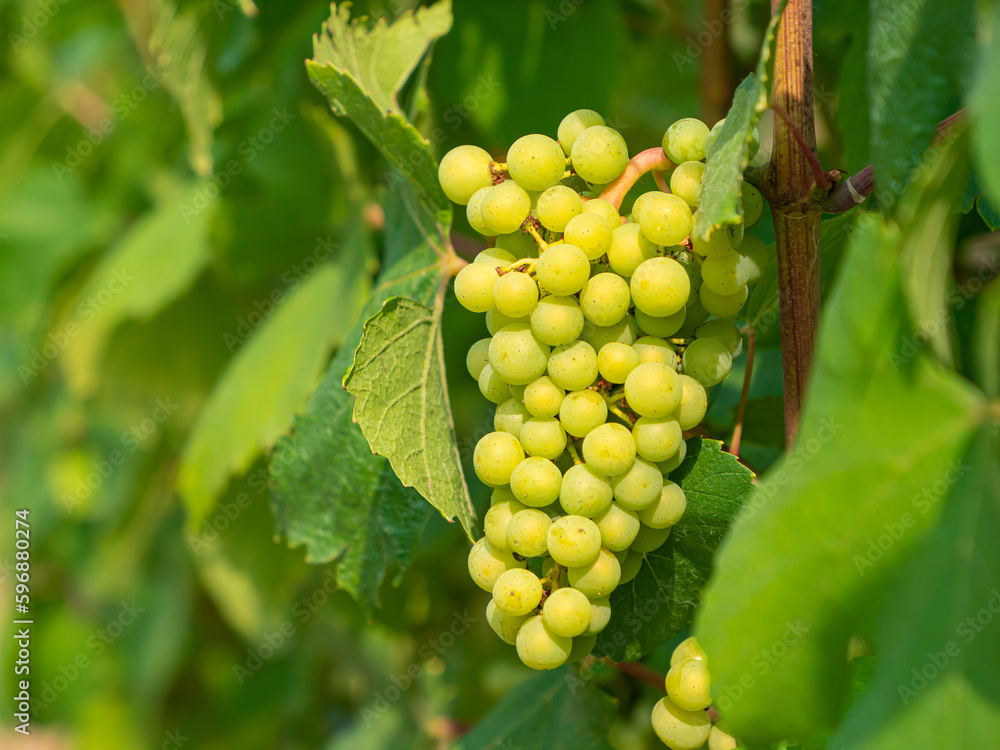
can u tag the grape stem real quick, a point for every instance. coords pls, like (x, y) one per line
(639, 672)
(615, 410)
(571, 447)
(661, 181)
(741, 410)
(530, 228)
(644, 161)
(524, 265)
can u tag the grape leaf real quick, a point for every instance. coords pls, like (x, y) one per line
(988, 212)
(798, 568)
(985, 109)
(262, 388)
(330, 493)
(400, 386)
(986, 341)
(555, 710)
(660, 601)
(919, 57)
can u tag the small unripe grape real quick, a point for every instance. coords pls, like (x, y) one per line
(510, 417)
(694, 403)
(573, 366)
(474, 287)
(600, 614)
(597, 578)
(599, 154)
(618, 527)
(518, 244)
(725, 272)
(474, 212)
(687, 649)
(495, 256)
(495, 320)
(653, 349)
(631, 566)
(656, 439)
(707, 360)
(639, 487)
(625, 331)
(566, 612)
(478, 357)
(723, 331)
(575, 123)
(629, 247)
(663, 327)
(505, 207)
(543, 398)
(504, 625)
(675, 460)
(497, 520)
(719, 740)
(536, 162)
(515, 294)
(589, 232)
(486, 564)
(582, 411)
(685, 182)
(584, 492)
(605, 299)
(753, 205)
(543, 437)
(496, 456)
(527, 532)
(517, 591)
(502, 495)
(616, 360)
(660, 287)
(463, 171)
(665, 219)
(562, 269)
(680, 729)
(688, 684)
(492, 386)
(722, 306)
(574, 541)
(517, 355)
(610, 449)
(757, 257)
(685, 140)
(667, 510)
(583, 645)
(653, 390)
(557, 320)
(536, 482)
(649, 539)
(540, 648)
(717, 241)
(605, 210)
(557, 206)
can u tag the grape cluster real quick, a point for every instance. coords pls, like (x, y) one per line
(680, 719)
(606, 333)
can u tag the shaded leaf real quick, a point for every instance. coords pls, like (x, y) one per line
(985, 108)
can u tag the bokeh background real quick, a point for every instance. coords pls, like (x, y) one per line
(168, 179)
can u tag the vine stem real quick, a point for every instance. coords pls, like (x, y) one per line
(741, 410)
(644, 161)
(639, 672)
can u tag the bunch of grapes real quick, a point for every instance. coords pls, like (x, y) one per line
(680, 719)
(606, 334)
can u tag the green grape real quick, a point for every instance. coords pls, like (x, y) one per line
(714, 132)
(653, 390)
(722, 306)
(535, 482)
(584, 492)
(649, 539)
(685, 140)
(618, 527)
(599, 154)
(517, 355)
(675, 460)
(668, 508)
(505, 207)
(724, 331)
(735, 234)
(753, 205)
(583, 645)
(486, 564)
(692, 266)
(562, 269)
(504, 625)
(510, 417)
(600, 614)
(616, 360)
(536, 162)
(688, 684)
(757, 257)
(719, 740)
(685, 182)
(639, 487)
(605, 299)
(518, 244)
(629, 247)
(543, 437)
(557, 320)
(566, 612)
(515, 294)
(625, 331)
(707, 360)
(688, 649)
(474, 212)
(666, 326)
(526, 533)
(589, 232)
(694, 403)
(495, 320)
(495, 457)
(502, 494)
(575, 123)
(573, 366)
(660, 287)
(495, 256)
(557, 206)
(725, 272)
(717, 241)
(680, 729)
(518, 591)
(582, 411)
(665, 219)
(597, 578)
(610, 449)
(474, 287)
(657, 440)
(695, 316)
(492, 386)
(463, 171)
(497, 520)
(574, 541)
(540, 648)
(478, 357)
(653, 349)
(631, 566)
(543, 398)
(605, 210)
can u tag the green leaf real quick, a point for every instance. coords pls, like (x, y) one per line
(986, 341)
(939, 686)
(660, 601)
(853, 117)
(988, 212)
(985, 109)
(262, 388)
(883, 422)
(330, 493)
(159, 257)
(400, 386)
(719, 202)
(553, 711)
(918, 60)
